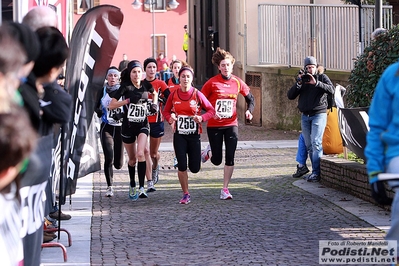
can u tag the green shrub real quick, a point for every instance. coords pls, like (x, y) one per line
(382, 52)
(352, 157)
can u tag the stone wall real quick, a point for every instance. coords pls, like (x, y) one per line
(276, 110)
(347, 176)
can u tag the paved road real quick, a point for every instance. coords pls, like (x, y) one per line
(269, 222)
(272, 220)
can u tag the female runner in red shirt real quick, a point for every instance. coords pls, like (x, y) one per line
(183, 108)
(222, 91)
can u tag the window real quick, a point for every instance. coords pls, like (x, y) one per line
(157, 5)
(160, 44)
(81, 6)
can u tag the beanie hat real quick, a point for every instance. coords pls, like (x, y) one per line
(27, 38)
(149, 60)
(132, 64)
(310, 60)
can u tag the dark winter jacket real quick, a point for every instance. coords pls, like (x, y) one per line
(312, 98)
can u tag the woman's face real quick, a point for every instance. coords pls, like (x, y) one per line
(176, 68)
(112, 79)
(151, 71)
(135, 75)
(226, 67)
(186, 78)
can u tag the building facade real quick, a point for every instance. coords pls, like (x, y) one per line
(152, 28)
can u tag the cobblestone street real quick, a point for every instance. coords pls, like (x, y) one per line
(269, 222)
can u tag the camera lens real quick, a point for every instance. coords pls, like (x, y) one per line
(306, 78)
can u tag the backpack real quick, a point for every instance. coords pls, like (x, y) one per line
(330, 97)
(330, 101)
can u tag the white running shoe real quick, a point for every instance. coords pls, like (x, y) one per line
(110, 192)
(155, 174)
(205, 154)
(150, 186)
(142, 193)
(225, 194)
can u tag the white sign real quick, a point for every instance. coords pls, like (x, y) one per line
(357, 252)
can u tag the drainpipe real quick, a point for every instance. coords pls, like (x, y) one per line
(244, 35)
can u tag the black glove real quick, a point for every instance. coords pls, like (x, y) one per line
(379, 194)
(153, 108)
(99, 112)
(117, 116)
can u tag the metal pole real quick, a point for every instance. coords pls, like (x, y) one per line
(360, 28)
(153, 28)
(378, 14)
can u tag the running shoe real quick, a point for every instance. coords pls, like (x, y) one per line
(155, 174)
(205, 154)
(186, 199)
(133, 195)
(313, 178)
(225, 194)
(110, 192)
(142, 193)
(300, 171)
(150, 186)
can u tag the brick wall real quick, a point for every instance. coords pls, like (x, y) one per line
(347, 176)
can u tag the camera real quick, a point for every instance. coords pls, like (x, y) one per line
(306, 76)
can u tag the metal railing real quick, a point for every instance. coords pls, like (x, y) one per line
(289, 33)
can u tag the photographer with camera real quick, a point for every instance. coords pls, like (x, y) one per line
(110, 130)
(312, 88)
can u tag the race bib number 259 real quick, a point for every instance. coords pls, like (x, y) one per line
(224, 108)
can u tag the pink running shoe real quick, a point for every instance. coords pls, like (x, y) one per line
(186, 199)
(225, 194)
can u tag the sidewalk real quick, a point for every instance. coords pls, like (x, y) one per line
(264, 167)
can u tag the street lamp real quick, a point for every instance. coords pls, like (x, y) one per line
(137, 4)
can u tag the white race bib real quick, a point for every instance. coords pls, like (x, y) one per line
(111, 113)
(137, 112)
(186, 125)
(224, 108)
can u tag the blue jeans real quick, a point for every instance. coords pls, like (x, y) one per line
(302, 152)
(313, 130)
(393, 233)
